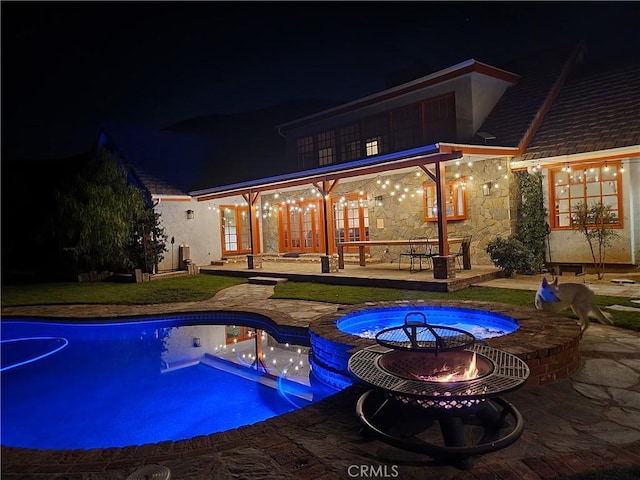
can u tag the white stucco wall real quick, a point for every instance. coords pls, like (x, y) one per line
(485, 92)
(569, 246)
(180, 343)
(201, 233)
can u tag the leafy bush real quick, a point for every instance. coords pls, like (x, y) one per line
(511, 255)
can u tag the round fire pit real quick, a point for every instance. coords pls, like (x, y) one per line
(449, 367)
(423, 374)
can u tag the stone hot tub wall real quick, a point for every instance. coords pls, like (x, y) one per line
(547, 343)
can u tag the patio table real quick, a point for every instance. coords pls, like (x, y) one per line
(361, 244)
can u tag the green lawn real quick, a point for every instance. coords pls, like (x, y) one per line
(201, 287)
(190, 288)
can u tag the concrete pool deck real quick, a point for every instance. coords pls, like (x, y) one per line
(589, 420)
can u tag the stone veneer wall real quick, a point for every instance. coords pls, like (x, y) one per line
(488, 216)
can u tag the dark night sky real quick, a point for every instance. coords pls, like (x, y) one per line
(67, 67)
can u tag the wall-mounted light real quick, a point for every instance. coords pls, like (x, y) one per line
(190, 214)
(378, 201)
(486, 189)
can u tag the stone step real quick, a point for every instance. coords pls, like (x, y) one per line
(267, 280)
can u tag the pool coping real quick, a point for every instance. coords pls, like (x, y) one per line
(547, 343)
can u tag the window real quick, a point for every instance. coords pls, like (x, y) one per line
(587, 184)
(372, 146)
(305, 152)
(236, 334)
(456, 196)
(350, 142)
(422, 122)
(376, 134)
(234, 226)
(350, 219)
(326, 147)
(440, 119)
(406, 127)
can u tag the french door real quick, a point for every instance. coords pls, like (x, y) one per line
(235, 231)
(350, 219)
(301, 227)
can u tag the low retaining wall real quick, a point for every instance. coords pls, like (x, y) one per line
(548, 344)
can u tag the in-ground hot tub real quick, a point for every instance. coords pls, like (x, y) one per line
(480, 323)
(547, 343)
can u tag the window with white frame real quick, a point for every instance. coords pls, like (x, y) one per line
(371, 146)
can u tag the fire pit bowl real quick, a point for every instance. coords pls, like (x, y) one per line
(423, 374)
(449, 367)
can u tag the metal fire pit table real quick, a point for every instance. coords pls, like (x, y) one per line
(415, 379)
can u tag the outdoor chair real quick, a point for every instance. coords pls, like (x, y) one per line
(466, 243)
(419, 249)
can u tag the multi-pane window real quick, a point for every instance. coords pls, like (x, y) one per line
(456, 201)
(305, 152)
(584, 184)
(420, 123)
(372, 146)
(350, 142)
(440, 119)
(350, 219)
(405, 127)
(326, 147)
(376, 135)
(234, 225)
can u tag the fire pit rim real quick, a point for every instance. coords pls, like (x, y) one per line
(505, 377)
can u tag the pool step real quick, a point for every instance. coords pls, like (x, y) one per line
(267, 280)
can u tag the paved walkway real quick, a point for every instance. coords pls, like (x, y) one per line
(588, 421)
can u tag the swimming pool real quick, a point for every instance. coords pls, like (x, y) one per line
(68, 386)
(480, 323)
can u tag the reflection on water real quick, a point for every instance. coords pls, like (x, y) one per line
(145, 382)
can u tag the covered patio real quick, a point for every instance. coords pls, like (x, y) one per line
(376, 273)
(357, 207)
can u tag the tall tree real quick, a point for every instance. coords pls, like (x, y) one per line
(148, 241)
(96, 214)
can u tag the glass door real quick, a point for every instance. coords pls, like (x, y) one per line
(301, 227)
(350, 219)
(235, 229)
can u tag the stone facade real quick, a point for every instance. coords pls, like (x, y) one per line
(393, 217)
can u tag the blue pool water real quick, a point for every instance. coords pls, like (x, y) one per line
(481, 324)
(67, 386)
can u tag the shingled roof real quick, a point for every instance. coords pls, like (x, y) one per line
(517, 110)
(597, 109)
(164, 162)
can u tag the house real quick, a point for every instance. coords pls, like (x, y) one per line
(378, 167)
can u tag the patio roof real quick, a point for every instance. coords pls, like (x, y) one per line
(429, 154)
